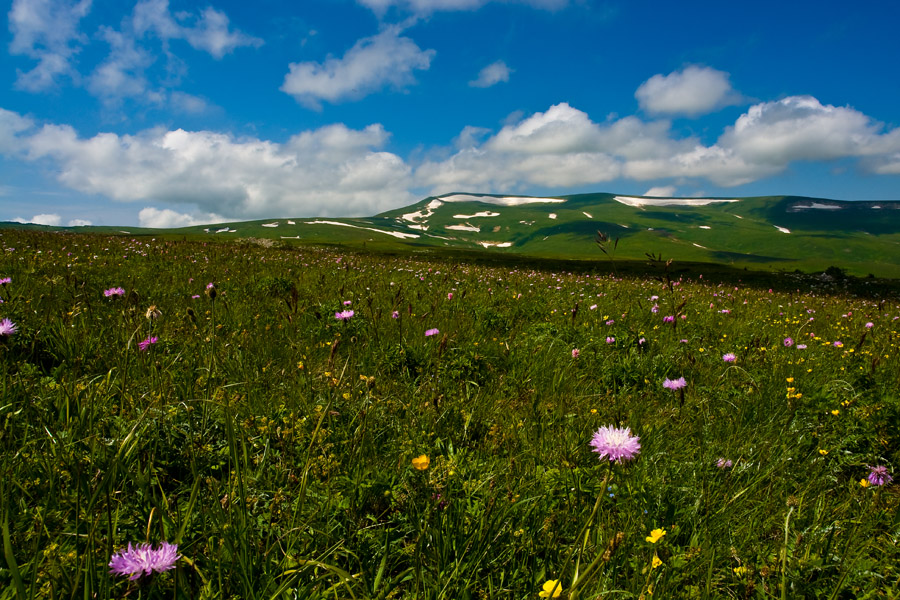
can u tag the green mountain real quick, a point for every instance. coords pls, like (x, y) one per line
(776, 232)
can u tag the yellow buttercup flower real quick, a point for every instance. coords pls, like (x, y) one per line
(656, 561)
(552, 588)
(656, 535)
(864, 482)
(421, 462)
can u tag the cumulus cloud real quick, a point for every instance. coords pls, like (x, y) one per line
(385, 59)
(662, 191)
(11, 125)
(47, 31)
(167, 218)
(121, 75)
(693, 91)
(79, 223)
(52, 220)
(492, 74)
(209, 31)
(331, 171)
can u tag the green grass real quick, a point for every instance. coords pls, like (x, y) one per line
(274, 443)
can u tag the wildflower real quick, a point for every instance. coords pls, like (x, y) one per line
(344, 315)
(838, 344)
(741, 571)
(654, 309)
(610, 340)
(870, 325)
(153, 313)
(449, 295)
(823, 451)
(657, 562)
(879, 475)
(788, 342)
(616, 443)
(145, 344)
(723, 463)
(575, 352)
(730, 357)
(395, 314)
(5, 280)
(7, 328)
(144, 560)
(348, 302)
(656, 535)
(610, 322)
(801, 346)
(114, 291)
(431, 332)
(552, 588)
(669, 319)
(421, 462)
(211, 290)
(674, 384)
(864, 482)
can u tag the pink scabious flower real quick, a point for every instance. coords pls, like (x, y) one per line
(431, 332)
(788, 342)
(730, 357)
(114, 291)
(348, 302)
(839, 344)
(610, 340)
(575, 352)
(610, 322)
(654, 309)
(344, 315)
(801, 346)
(674, 384)
(144, 560)
(145, 344)
(449, 295)
(616, 443)
(669, 319)
(879, 475)
(723, 463)
(5, 280)
(7, 328)
(870, 325)
(395, 314)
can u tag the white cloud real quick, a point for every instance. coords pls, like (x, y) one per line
(331, 171)
(79, 223)
(121, 75)
(47, 31)
(662, 191)
(372, 63)
(168, 218)
(52, 220)
(209, 32)
(693, 91)
(11, 125)
(492, 74)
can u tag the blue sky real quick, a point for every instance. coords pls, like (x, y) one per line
(169, 113)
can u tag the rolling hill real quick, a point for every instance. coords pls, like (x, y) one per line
(770, 233)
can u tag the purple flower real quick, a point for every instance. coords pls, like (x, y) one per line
(730, 357)
(839, 344)
(674, 384)
(431, 332)
(5, 280)
(788, 342)
(210, 285)
(879, 475)
(669, 319)
(801, 346)
(348, 302)
(610, 322)
(616, 443)
(145, 344)
(870, 325)
(114, 291)
(395, 314)
(144, 560)
(7, 328)
(344, 315)
(610, 340)
(575, 352)
(723, 463)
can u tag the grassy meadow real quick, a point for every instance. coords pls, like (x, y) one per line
(436, 443)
